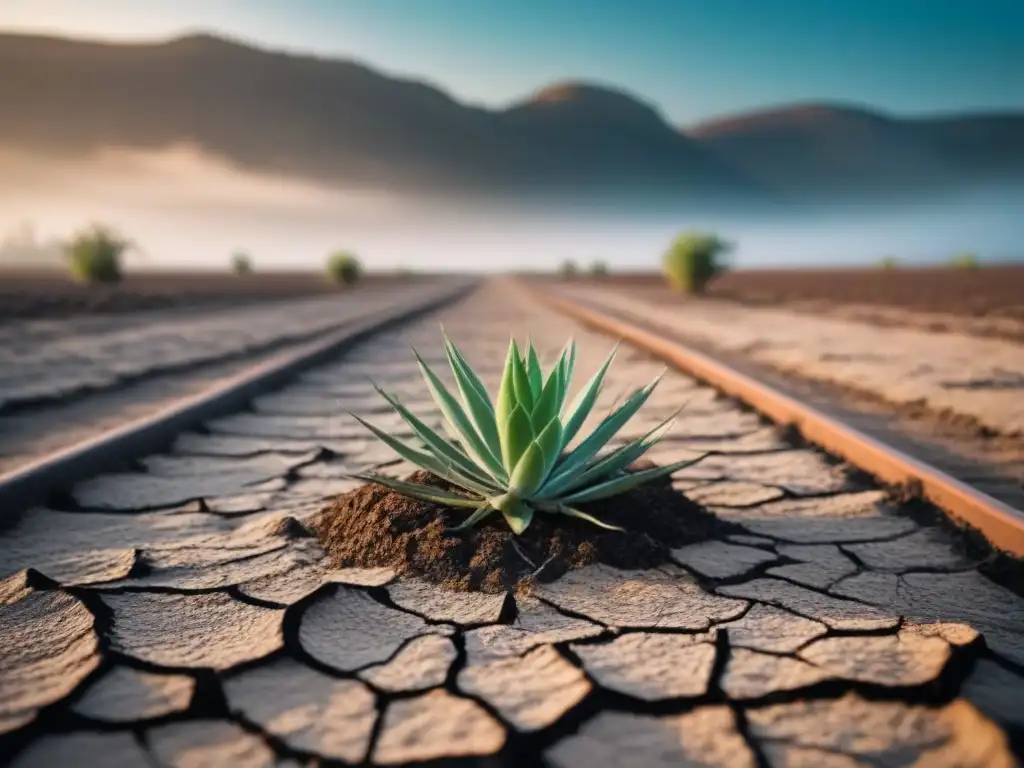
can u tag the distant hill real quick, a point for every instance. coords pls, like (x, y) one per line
(844, 153)
(340, 122)
(613, 138)
(337, 121)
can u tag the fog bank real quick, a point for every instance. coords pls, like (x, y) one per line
(188, 209)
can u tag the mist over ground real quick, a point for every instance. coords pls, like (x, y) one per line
(188, 209)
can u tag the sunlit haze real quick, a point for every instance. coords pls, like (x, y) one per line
(188, 205)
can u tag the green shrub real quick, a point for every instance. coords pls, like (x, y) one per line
(889, 262)
(692, 260)
(964, 261)
(344, 268)
(569, 269)
(241, 264)
(94, 255)
(599, 268)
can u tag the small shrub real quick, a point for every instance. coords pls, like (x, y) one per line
(692, 260)
(569, 269)
(599, 268)
(241, 264)
(964, 261)
(344, 268)
(889, 262)
(94, 255)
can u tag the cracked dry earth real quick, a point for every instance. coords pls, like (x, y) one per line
(180, 614)
(50, 360)
(66, 380)
(948, 371)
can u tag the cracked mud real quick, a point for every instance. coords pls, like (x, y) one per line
(182, 614)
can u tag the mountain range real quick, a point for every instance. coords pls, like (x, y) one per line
(342, 123)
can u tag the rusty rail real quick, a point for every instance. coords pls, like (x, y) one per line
(1000, 523)
(32, 483)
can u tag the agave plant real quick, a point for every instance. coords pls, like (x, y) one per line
(511, 456)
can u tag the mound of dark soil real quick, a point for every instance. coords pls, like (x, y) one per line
(373, 526)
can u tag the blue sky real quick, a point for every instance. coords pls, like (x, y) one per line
(696, 59)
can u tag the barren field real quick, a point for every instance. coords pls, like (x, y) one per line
(181, 612)
(994, 291)
(954, 397)
(64, 379)
(28, 294)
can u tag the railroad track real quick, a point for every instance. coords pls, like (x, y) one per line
(174, 610)
(32, 482)
(940, 395)
(870, 450)
(64, 381)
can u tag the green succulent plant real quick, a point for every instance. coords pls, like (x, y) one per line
(511, 456)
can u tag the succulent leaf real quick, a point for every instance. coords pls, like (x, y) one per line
(573, 512)
(482, 511)
(546, 407)
(570, 364)
(602, 466)
(580, 407)
(425, 460)
(478, 407)
(529, 472)
(458, 422)
(521, 379)
(518, 515)
(623, 483)
(558, 374)
(516, 438)
(550, 441)
(468, 371)
(422, 492)
(533, 371)
(436, 444)
(506, 401)
(606, 430)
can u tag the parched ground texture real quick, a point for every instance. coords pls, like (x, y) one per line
(987, 299)
(979, 379)
(992, 292)
(53, 359)
(53, 293)
(181, 614)
(941, 393)
(66, 379)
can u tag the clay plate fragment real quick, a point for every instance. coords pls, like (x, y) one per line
(119, 750)
(704, 737)
(48, 646)
(435, 725)
(306, 709)
(126, 695)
